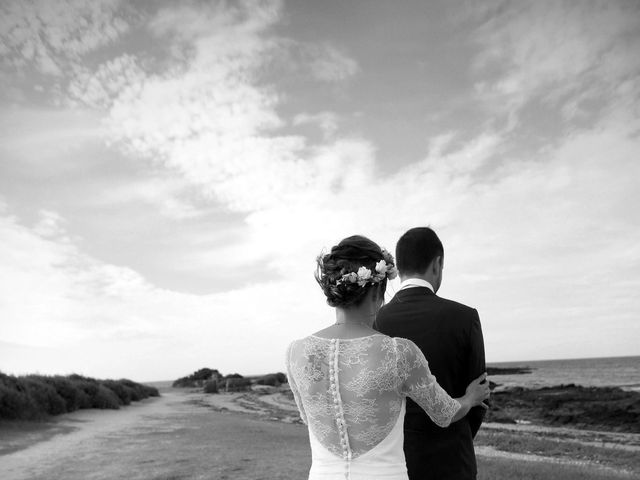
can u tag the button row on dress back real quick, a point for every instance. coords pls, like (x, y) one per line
(337, 401)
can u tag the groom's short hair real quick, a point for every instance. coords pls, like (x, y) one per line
(416, 249)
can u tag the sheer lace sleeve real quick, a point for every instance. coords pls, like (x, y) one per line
(421, 386)
(293, 386)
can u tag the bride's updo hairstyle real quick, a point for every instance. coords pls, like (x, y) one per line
(351, 269)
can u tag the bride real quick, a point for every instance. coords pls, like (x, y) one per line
(350, 382)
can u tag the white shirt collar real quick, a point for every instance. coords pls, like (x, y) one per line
(415, 282)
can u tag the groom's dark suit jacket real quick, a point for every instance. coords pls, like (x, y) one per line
(450, 336)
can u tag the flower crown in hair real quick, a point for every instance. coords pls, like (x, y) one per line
(385, 268)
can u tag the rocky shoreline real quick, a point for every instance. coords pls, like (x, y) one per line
(606, 409)
(492, 371)
(597, 408)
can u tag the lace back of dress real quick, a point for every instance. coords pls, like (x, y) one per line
(349, 390)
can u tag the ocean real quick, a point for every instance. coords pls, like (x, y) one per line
(621, 372)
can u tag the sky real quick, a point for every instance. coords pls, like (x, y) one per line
(169, 172)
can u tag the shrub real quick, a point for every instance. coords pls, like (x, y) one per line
(89, 386)
(122, 391)
(234, 384)
(270, 379)
(105, 398)
(273, 379)
(15, 405)
(135, 392)
(211, 387)
(36, 396)
(151, 391)
(184, 383)
(73, 397)
(205, 374)
(139, 391)
(45, 398)
(197, 378)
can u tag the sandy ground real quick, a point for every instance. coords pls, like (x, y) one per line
(168, 438)
(190, 435)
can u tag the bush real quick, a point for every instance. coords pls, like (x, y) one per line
(151, 391)
(15, 405)
(105, 398)
(36, 396)
(45, 398)
(273, 379)
(211, 387)
(234, 384)
(88, 385)
(122, 391)
(73, 397)
(184, 383)
(197, 378)
(205, 374)
(268, 380)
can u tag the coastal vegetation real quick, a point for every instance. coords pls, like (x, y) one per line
(198, 378)
(212, 381)
(35, 397)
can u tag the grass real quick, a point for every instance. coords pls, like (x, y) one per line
(536, 443)
(503, 469)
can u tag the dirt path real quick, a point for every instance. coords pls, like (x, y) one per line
(167, 438)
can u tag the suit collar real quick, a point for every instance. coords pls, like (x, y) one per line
(416, 282)
(414, 292)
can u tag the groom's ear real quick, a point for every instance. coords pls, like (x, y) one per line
(436, 265)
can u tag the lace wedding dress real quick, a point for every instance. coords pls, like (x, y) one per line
(351, 395)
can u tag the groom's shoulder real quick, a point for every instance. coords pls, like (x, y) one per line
(452, 304)
(457, 309)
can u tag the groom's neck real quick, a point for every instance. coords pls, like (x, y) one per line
(421, 276)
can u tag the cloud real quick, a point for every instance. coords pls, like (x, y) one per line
(326, 121)
(169, 196)
(567, 54)
(54, 296)
(499, 209)
(537, 239)
(53, 36)
(210, 120)
(45, 138)
(100, 88)
(329, 64)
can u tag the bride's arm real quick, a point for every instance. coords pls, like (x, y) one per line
(294, 386)
(421, 386)
(475, 395)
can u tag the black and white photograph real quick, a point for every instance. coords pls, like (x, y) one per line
(319, 240)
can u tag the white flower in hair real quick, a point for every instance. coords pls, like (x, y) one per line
(350, 277)
(364, 275)
(384, 268)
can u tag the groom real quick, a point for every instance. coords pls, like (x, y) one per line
(450, 336)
